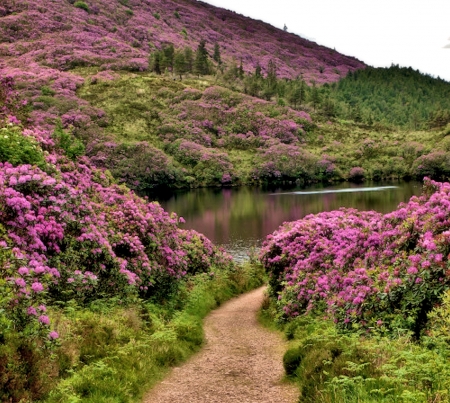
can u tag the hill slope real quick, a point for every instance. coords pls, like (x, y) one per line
(119, 34)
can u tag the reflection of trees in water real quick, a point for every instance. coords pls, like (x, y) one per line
(242, 216)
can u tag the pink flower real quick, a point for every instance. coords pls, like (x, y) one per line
(412, 270)
(53, 335)
(42, 308)
(31, 311)
(44, 319)
(37, 287)
(20, 282)
(23, 271)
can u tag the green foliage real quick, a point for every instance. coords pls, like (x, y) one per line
(177, 14)
(113, 353)
(395, 95)
(292, 359)
(157, 16)
(329, 366)
(18, 149)
(72, 146)
(46, 90)
(201, 64)
(82, 5)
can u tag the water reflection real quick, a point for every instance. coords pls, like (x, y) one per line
(241, 218)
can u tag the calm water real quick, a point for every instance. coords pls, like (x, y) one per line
(239, 219)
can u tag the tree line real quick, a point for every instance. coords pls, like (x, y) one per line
(397, 96)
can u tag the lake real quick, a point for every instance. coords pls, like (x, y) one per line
(240, 218)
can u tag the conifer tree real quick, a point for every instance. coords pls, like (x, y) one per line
(179, 64)
(315, 95)
(154, 63)
(258, 71)
(216, 55)
(201, 66)
(241, 70)
(189, 58)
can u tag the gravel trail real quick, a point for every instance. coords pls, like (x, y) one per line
(241, 361)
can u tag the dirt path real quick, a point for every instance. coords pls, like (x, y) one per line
(241, 362)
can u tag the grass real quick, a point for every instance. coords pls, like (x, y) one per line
(140, 107)
(111, 354)
(331, 367)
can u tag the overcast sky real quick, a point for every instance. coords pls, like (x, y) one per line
(412, 33)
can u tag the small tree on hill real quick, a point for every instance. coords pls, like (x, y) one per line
(216, 55)
(179, 64)
(189, 58)
(258, 71)
(154, 63)
(201, 65)
(315, 95)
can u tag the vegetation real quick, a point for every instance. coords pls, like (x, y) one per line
(94, 278)
(364, 297)
(331, 366)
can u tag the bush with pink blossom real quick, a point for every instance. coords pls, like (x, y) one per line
(363, 268)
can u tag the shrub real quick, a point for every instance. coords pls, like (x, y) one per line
(292, 359)
(82, 5)
(368, 271)
(19, 149)
(356, 174)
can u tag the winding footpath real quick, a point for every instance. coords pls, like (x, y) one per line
(241, 361)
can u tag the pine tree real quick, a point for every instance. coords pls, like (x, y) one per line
(241, 70)
(189, 58)
(201, 66)
(315, 95)
(216, 55)
(179, 64)
(154, 63)
(258, 71)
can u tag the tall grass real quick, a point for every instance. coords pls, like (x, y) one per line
(113, 354)
(333, 367)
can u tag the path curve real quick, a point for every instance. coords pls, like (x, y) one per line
(241, 361)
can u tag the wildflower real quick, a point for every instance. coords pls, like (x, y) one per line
(37, 287)
(31, 311)
(44, 320)
(53, 335)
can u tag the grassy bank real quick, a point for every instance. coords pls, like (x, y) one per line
(110, 353)
(334, 367)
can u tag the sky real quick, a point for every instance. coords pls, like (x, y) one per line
(410, 33)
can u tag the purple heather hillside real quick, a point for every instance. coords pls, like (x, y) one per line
(120, 34)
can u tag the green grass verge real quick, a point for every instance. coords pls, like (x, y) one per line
(331, 367)
(113, 354)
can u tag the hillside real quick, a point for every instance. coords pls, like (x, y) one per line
(119, 34)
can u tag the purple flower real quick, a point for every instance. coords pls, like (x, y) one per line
(23, 271)
(53, 335)
(44, 320)
(412, 270)
(20, 282)
(37, 287)
(31, 311)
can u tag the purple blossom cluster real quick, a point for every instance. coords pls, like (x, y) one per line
(70, 231)
(364, 267)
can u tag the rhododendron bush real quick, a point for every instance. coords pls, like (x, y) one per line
(365, 269)
(68, 232)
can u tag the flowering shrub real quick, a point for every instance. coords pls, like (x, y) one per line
(284, 162)
(356, 174)
(74, 234)
(435, 165)
(377, 271)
